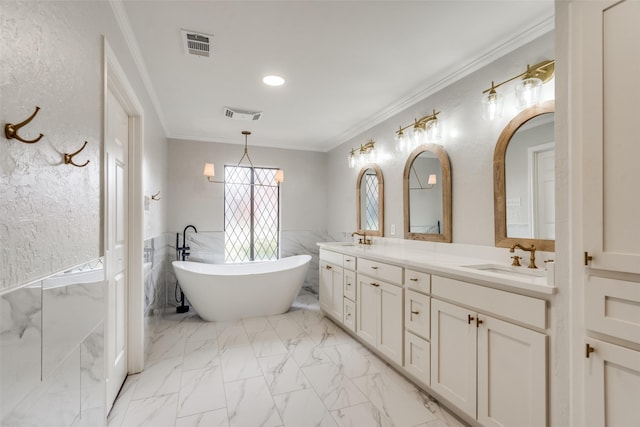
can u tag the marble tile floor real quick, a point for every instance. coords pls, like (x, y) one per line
(295, 369)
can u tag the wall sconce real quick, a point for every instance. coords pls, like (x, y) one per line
(425, 129)
(432, 180)
(365, 154)
(279, 176)
(209, 171)
(527, 90)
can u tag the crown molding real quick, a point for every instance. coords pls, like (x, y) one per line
(129, 36)
(437, 83)
(238, 141)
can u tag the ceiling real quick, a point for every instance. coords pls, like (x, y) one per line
(348, 65)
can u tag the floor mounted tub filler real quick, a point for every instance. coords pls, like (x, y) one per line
(234, 291)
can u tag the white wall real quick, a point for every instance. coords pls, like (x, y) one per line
(51, 213)
(194, 200)
(468, 139)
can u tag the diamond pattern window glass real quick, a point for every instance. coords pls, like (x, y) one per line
(371, 202)
(251, 214)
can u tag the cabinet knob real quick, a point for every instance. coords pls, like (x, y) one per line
(413, 279)
(328, 267)
(469, 319)
(375, 284)
(588, 350)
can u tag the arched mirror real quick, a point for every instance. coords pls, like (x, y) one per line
(427, 194)
(524, 180)
(370, 201)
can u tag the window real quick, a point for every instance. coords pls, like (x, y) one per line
(251, 214)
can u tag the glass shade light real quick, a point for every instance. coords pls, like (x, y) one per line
(352, 160)
(432, 179)
(434, 131)
(371, 155)
(279, 176)
(209, 171)
(528, 92)
(418, 135)
(401, 142)
(491, 106)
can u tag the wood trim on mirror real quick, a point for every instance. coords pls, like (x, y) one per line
(378, 171)
(499, 190)
(445, 165)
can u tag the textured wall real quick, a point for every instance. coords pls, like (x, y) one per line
(51, 212)
(468, 139)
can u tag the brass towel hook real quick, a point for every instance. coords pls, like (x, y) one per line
(156, 196)
(11, 130)
(68, 158)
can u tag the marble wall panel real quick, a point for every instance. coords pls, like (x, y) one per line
(92, 375)
(20, 346)
(73, 304)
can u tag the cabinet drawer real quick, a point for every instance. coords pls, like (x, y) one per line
(349, 311)
(350, 285)
(331, 257)
(349, 262)
(417, 281)
(417, 357)
(528, 310)
(612, 307)
(416, 313)
(380, 270)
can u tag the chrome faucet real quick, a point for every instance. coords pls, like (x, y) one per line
(531, 250)
(363, 240)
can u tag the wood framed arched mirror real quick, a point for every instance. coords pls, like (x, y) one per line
(524, 180)
(427, 194)
(370, 201)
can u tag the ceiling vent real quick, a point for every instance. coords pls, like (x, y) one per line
(238, 114)
(197, 44)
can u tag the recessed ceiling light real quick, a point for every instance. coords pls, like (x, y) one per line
(273, 80)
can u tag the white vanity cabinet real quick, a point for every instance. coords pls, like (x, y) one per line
(379, 308)
(493, 370)
(331, 284)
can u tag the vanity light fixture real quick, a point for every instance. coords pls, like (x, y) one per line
(363, 155)
(527, 90)
(425, 129)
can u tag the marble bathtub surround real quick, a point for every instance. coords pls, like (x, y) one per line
(295, 369)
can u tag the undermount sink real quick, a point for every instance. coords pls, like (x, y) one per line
(508, 270)
(344, 243)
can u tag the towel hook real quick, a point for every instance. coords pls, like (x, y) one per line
(11, 130)
(155, 196)
(68, 158)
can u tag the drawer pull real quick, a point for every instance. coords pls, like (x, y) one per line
(415, 312)
(348, 314)
(328, 267)
(374, 267)
(478, 322)
(589, 350)
(413, 279)
(469, 319)
(347, 260)
(377, 285)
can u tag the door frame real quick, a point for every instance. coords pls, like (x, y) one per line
(115, 79)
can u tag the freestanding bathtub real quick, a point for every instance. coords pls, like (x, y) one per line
(234, 291)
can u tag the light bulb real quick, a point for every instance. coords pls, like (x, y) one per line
(528, 92)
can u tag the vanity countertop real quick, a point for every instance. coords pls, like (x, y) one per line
(457, 267)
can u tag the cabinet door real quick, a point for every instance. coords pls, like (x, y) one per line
(512, 386)
(337, 303)
(349, 318)
(417, 316)
(326, 286)
(389, 339)
(368, 309)
(609, 134)
(453, 354)
(416, 357)
(350, 285)
(612, 385)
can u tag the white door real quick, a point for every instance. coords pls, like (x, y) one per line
(512, 379)
(116, 185)
(390, 332)
(368, 309)
(612, 385)
(543, 191)
(453, 354)
(610, 135)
